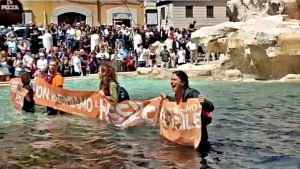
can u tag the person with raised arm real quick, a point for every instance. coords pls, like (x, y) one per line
(183, 92)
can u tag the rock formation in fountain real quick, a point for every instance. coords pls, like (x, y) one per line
(268, 46)
(241, 10)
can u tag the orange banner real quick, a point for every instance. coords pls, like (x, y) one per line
(83, 103)
(181, 124)
(148, 113)
(17, 93)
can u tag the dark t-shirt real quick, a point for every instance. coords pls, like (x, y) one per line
(165, 56)
(28, 105)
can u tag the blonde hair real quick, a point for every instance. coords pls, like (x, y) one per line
(3, 54)
(76, 53)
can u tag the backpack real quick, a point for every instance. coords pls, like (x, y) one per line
(123, 94)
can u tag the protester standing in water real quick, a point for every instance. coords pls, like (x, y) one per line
(28, 105)
(180, 85)
(53, 77)
(108, 82)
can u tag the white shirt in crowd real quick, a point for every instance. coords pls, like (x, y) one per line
(142, 54)
(103, 55)
(77, 64)
(113, 57)
(192, 46)
(71, 32)
(106, 32)
(181, 56)
(137, 39)
(28, 61)
(78, 34)
(41, 64)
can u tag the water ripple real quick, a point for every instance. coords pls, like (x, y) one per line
(254, 126)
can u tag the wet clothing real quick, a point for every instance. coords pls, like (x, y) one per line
(28, 106)
(207, 106)
(113, 92)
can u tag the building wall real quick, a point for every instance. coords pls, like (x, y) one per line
(85, 7)
(168, 21)
(178, 17)
(149, 5)
(136, 9)
(38, 8)
(199, 15)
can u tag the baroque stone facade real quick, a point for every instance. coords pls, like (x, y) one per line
(93, 12)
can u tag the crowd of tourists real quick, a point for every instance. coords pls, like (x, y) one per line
(127, 47)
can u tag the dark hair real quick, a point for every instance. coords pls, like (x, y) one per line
(54, 60)
(109, 77)
(183, 77)
(25, 78)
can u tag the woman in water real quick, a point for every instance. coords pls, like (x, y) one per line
(180, 85)
(108, 82)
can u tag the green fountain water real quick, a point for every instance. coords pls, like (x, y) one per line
(255, 125)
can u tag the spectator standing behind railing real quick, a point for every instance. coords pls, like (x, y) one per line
(18, 65)
(130, 62)
(22, 46)
(123, 54)
(61, 36)
(141, 56)
(84, 62)
(102, 55)
(34, 34)
(41, 62)
(77, 64)
(192, 47)
(95, 40)
(10, 62)
(86, 45)
(181, 55)
(152, 56)
(77, 38)
(53, 31)
(104, 43)
(165, 58)
(93, 65)
(70, 37)
(28, 63)
(172, 58)
(4, 71)
(12, 44)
